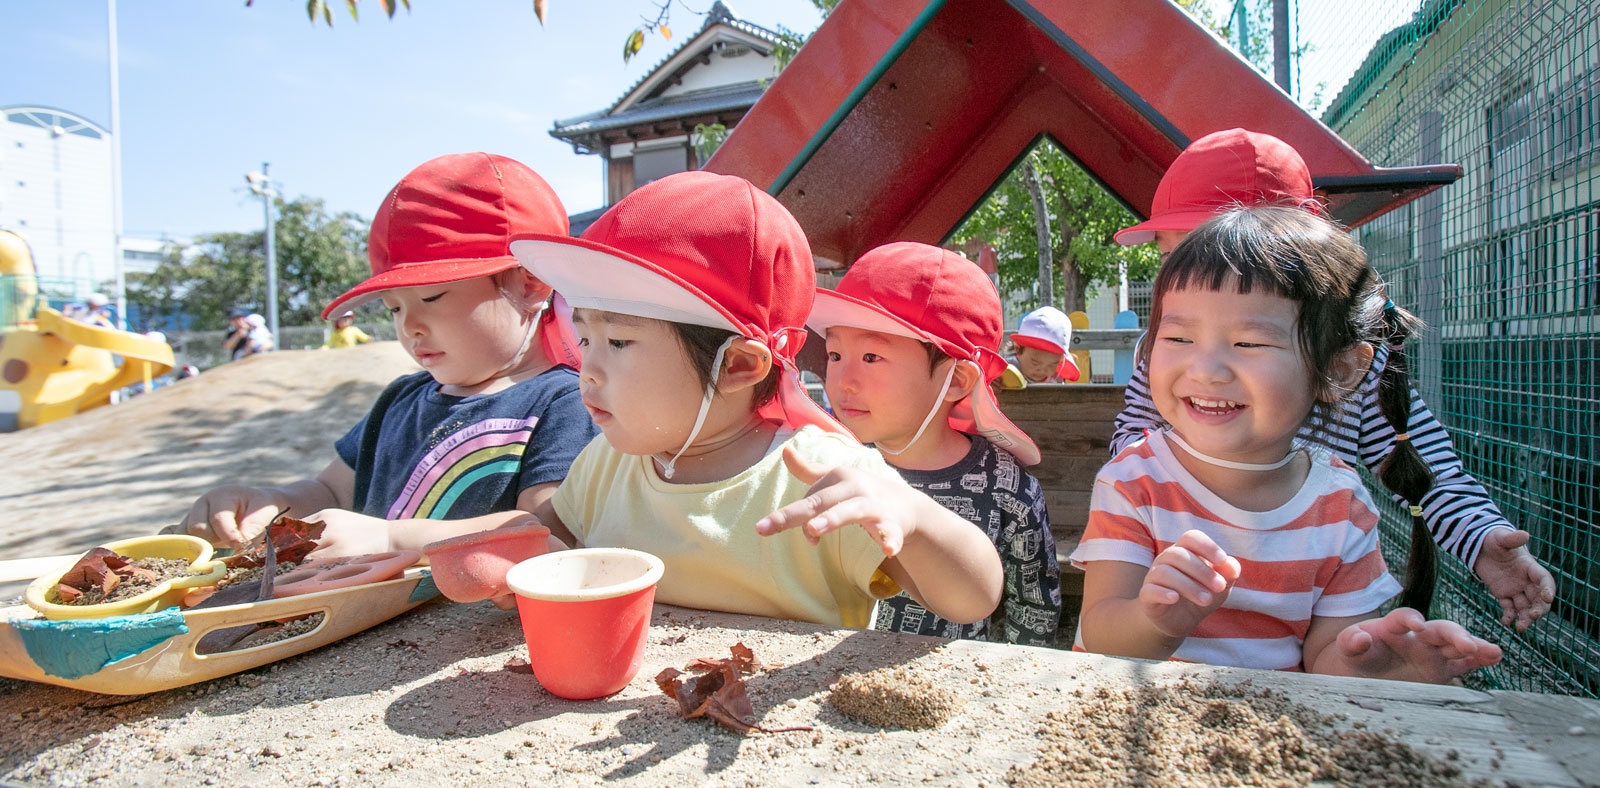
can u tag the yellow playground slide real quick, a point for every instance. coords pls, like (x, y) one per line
(56, 365)
(60, 367)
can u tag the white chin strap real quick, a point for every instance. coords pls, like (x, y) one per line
(1172, 435)
(670, 466)
(527, 339)
(926, 420)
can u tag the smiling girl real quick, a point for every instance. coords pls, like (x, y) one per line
(1221, 539)
(483, 435)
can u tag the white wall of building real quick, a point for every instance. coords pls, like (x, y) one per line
(55, 191)
(733, 64)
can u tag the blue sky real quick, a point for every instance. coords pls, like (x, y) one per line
(211, 89)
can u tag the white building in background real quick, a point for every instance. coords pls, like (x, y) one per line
(55, 191)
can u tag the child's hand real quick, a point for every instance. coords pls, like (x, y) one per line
(230, 516)
(1403, 646)
(1187, 582)
(840, 497)
(1523, 587)
(350, 533)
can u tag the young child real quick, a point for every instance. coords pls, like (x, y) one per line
(1239, 167)
(484, 434)
(912, 337)
(1220, 539)
(1042, 339)
(345, 333)
(690, 297)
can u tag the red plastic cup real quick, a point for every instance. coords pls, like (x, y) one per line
(585, 614)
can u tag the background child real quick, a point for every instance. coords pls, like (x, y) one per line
(345, 333)
(912, 337)
(1219, 540)
(690, 296)
(484, 434)
(1238, 167)
(1042, 338)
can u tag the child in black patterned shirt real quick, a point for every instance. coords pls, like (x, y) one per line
(912, 335)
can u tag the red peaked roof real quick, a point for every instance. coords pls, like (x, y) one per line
(899, 116)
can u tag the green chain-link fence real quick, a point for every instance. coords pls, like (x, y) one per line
(1505, 267)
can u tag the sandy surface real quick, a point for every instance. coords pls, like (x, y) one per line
(429, 698)
(130, 469)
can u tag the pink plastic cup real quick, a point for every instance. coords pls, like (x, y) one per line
(585, 614)
(473, 567)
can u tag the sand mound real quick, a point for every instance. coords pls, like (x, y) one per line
(131, 469)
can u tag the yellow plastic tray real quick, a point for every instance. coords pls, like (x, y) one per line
(193, 549)
(133, 655)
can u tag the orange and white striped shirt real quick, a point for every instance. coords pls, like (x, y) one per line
(1316, 555)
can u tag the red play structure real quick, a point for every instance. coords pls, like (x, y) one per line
(899, 116)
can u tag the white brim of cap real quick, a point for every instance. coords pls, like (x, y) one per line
(835, 309)
(592, 276)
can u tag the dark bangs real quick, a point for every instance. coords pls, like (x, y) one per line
(1279, 250)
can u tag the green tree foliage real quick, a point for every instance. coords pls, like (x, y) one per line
(1083, 216)
(319, 256)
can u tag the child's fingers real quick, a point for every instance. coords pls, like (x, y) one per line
(224, 526)
(1185, 586)
(804, 510)
(1201, 545)
(1355, 641)
(803, 469)
(1193, 566)
(1401, 621)
(1154, 594)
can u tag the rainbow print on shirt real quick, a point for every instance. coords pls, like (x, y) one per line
(469, 455)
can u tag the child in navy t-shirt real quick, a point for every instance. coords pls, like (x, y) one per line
(487, 431)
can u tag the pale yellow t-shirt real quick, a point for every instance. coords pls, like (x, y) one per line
(706, 535)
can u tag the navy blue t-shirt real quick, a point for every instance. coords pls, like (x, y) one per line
(425, 454)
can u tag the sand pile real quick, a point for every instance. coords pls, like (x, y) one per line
(130, 469)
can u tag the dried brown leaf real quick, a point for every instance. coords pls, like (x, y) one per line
(292, 539)
(94, 571)
(717, 692)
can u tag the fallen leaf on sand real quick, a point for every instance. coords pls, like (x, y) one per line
(717, 691)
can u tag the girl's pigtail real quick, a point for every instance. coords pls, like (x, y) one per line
(1404, 471)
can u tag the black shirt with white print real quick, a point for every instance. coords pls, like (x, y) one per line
(990, 489)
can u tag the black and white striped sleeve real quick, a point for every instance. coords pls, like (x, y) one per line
(1458, 511)
(1138, 411)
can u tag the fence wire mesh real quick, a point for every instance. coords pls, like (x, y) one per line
(1504, 265)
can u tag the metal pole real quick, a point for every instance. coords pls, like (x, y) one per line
(272, 258)
(1280, 46)
(116, 168)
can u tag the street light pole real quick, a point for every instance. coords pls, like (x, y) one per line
(260, 184)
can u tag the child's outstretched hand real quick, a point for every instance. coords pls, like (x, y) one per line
(1187, 582)
(1405, 647)
(840, 497)
(350, 533)
(230, 516)
(1524, 588)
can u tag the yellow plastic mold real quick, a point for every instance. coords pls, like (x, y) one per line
(196, 550)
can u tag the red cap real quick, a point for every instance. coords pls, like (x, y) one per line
(931, 295)
(451, 219)
(698, 248)
(1221, 170)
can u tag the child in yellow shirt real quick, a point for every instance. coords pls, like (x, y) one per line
(690, 298)
(345, 333)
